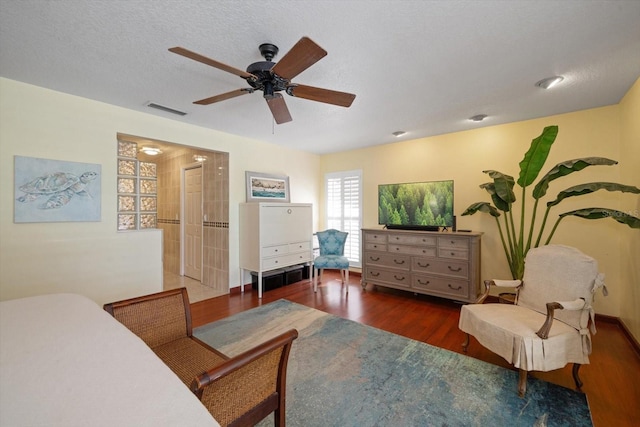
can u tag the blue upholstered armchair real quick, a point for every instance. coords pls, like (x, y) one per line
(331, 256)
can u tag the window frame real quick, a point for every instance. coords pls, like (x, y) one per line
(353, 249)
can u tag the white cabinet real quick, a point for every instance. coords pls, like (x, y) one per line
(274, 235)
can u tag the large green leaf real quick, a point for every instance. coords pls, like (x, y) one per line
(534, 159)
(481, 207)
(491, 189)
(600, 213)
(503, 185)
(578, 190)
(565, 168)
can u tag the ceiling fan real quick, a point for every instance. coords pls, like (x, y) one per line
(272, 78)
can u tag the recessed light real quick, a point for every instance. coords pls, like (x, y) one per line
(478, 117)
(398, 133)
(549, 82)
(151, 151)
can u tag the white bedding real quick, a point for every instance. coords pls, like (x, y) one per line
(66, 362)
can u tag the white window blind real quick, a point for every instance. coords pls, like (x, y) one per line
(344, 206)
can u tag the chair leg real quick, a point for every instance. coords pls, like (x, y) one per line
(346, 279)
(576, 377)
(315, 279)
(522, 382)
(465, 343)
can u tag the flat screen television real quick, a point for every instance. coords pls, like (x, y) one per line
(416, 205)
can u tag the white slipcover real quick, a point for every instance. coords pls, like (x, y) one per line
(553, 273)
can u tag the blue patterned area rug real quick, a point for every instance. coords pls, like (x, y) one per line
(342, 373)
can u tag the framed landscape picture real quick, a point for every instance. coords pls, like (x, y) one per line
(56, 191)
(262, 187)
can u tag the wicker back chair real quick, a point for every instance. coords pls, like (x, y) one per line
(238, 391)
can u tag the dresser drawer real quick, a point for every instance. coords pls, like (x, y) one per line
(443, 267)
(300, 246)
(404, 239)
(397, 278)
(375, 237)
(285, 260)
(375, 247)
(453, 253)
(453, 242)
(402, 262)
(412, 250)
(458, 288)
(275, 250)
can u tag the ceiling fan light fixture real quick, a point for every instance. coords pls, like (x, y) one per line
(478, 117)
(549, 82)
(398, 133)
(151, 151)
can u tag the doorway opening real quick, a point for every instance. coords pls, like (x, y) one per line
(211, 254)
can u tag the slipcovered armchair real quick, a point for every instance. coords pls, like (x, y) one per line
(331, 243)
(548, 326)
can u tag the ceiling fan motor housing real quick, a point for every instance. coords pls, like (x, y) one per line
(266, 80)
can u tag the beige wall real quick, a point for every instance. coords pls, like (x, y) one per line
(463, 156)
(630, 242)
(93, 258)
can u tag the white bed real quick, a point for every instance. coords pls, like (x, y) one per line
(66, 362)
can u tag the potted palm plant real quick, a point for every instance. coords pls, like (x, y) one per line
(516, 239)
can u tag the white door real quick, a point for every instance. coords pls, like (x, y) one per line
(193, 223)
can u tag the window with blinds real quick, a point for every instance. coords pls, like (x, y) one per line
(344, 209)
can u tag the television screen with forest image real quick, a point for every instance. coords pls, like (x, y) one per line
(416, 205)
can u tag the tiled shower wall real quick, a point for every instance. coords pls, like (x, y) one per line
(215, 195)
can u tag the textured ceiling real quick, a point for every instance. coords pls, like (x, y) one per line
(419, 66)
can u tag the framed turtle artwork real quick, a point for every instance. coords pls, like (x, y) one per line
(56, 191)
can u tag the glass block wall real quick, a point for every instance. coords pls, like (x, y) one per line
(137, 190)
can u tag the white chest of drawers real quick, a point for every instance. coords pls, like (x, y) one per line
(441, 264)
(273, 236)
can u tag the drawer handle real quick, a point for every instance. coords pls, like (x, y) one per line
(399, 262)
(453, 242)
(424, 283)
(423, 266)
(289, 211)
(398, 278)
(275, 250)
(455, 289)
(374, 274)
(397, 238)
(276, 261)
(397, 249)
(374, 259)
(453, 253)
(454, 269)
(424, 251)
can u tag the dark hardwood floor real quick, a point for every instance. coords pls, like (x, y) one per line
(611, 380)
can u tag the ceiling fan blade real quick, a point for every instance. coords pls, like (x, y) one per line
(279, 109)
(327, 96)
(208, 61)
(223, 96)
(302, 55)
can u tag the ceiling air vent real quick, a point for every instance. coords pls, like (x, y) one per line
(166, 109)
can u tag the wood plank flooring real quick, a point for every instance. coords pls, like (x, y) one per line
(611, 380)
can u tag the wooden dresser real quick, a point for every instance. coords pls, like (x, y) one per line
(443, 264)
(273, 236)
